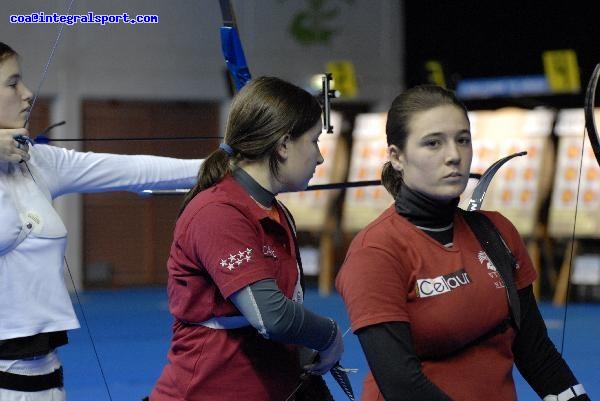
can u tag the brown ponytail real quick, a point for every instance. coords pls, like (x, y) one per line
(391, 179)
(262, 112)
(213, 169)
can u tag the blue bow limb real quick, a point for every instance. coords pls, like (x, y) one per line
(234, 56)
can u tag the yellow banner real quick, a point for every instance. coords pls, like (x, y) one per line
(344, 78)
(435, 73)
(562, 70)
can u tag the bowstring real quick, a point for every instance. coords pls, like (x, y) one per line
(82, 311)
(572, 250)
(43, 77)
(89, 332)
(47, 66)
(133, 139)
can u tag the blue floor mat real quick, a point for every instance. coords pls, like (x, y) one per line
(120, 350)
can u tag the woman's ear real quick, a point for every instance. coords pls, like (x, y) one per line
(283, 147)
(396, 157)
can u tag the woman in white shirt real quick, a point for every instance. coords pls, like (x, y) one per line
(35, 307)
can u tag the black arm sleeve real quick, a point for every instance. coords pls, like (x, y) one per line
(536, 356)
(394, 364)
(279, 318)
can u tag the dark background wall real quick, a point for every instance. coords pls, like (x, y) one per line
(498, 38)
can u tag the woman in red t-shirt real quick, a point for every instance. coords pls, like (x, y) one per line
(427, 303)
(234, 269)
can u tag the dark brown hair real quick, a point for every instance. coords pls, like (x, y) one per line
(404, 107)
(6, 51)
(261, 113)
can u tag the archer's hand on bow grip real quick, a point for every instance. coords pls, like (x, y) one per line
(327, 358)
(11, 149)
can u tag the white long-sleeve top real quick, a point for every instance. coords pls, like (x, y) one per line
(33, 295)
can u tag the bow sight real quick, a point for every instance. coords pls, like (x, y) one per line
(327, 94)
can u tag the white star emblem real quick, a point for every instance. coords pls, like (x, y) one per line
(236, 259)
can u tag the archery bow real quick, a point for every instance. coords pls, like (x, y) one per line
(233, 52)
(231, 45)
(592, 133)
(484, 181)
(28, 140)
(590, 120)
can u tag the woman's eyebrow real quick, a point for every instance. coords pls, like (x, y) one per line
(13, 76)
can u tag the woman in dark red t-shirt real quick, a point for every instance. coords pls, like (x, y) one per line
(427, 303)
(234, 269)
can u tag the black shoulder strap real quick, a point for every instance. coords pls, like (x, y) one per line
(292, 225)
(500, 255)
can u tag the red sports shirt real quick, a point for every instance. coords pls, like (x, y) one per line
(394, 272)
(223, 242)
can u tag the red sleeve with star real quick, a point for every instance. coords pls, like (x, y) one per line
(229, 245)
